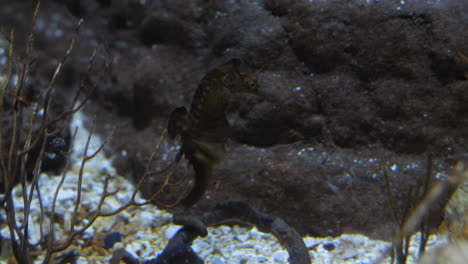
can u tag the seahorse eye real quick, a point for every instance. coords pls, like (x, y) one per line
(253, 83)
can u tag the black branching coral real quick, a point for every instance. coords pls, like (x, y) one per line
(205, 129)
(179, 248)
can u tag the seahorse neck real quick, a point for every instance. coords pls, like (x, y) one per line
(209, 96)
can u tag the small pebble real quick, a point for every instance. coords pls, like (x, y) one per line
(243, 238)
(310, 242)
(262, 259)
(112, 238)
(217, 260)
(145, 218)
(350, 253)
(225, 229)
(200, 245)
(329, 246)
(81, 260)
(170, 232)
(281, 256)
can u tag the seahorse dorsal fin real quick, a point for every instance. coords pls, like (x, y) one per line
(176, 121)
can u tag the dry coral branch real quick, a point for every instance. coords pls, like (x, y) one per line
(19, 149)
(418, 212)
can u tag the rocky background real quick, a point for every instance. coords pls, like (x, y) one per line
(348, 89)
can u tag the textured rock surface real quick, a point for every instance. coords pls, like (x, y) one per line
(349, 87)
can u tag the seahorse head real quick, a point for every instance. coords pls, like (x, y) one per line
(238, 78)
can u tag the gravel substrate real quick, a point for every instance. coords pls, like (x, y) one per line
(146, 230)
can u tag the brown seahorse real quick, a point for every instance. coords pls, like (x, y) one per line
(205, 129)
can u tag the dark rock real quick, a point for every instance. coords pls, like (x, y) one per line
(112, 238)
(329, 246)
(180, 254)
